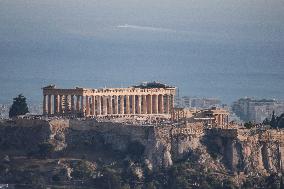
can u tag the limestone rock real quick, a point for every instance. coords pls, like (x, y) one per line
(167, 161)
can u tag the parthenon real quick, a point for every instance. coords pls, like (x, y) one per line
(150, 99)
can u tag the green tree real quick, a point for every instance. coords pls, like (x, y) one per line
(111, 179)
(149, 185)
(266, 121)
(135, 149)
(248, 125)
(19, 106)
(82, 170)
(280, 121)
(45, 149)
(281, 182)
(273, 122)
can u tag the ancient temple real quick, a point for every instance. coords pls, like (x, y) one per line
(145, 99)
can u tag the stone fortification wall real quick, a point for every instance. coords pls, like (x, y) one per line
(261, 134)
(190, 129)
(117, 135)
(23, 135)
(232, 133)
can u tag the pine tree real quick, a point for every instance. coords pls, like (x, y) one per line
(273, 121)
(281, 181)
(280, 121)
(266, 121)
(19, 106)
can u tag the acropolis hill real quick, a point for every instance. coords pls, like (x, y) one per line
(105, 130)
(238, 154)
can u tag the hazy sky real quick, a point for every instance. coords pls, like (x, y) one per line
(120, 42)
(227, 21)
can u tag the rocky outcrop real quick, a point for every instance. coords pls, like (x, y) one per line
(217, 149)
(247, 151)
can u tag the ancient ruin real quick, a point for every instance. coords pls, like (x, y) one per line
(150, 99)
(209, 117)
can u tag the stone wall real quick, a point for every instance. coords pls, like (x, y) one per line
(21, 135)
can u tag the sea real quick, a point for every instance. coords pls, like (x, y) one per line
(196, 68)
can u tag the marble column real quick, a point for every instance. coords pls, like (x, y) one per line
(149, 104)
(57, 104)
(82, 109)
(138, 107)
(144, 104)
(227, 120)
(127, 105)
(54, 104)
(121, 107)
(44, 105)
(60, 104)
(115, 104)
(99, 105)
(87, 105)
(66, 104)
(218, 119)
(167, 104)
(133, 104)
(77, 103)
(93, 105)
(154, 104)
(109, 105)
(104, 107)
(161, 104)
(72, 104)
(172, 103)
(49, 105)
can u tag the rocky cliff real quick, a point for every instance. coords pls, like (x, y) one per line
(247, 152)
(254, 151)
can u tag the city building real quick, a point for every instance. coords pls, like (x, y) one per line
(4, 111)
(249, 109)
(196, 102)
